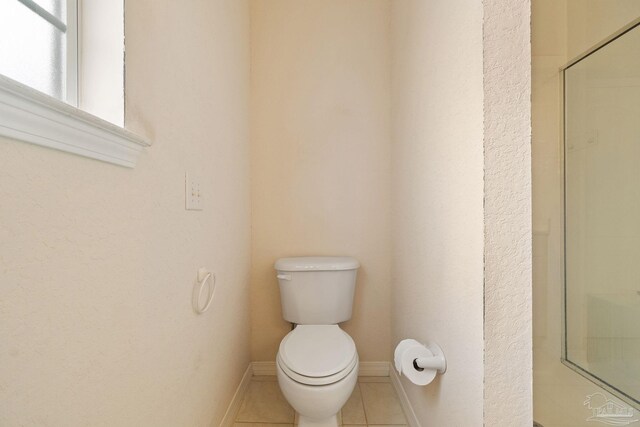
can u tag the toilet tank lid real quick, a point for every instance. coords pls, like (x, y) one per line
(317, 263)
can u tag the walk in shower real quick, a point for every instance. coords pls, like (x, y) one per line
(602, 215)
(586, 212)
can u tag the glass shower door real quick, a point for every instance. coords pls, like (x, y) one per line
(602, 216)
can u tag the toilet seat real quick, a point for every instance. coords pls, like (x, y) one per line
(317, 354)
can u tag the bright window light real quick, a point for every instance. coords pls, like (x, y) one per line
(42, 99)
(38, 45)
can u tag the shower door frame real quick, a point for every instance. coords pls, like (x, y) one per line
(634, 402)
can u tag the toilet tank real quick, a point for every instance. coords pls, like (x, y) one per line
(317, 290)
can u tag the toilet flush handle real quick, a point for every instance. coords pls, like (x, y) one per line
(284, 277)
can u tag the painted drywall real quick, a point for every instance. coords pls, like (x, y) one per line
(320, 144)
(507, 213)
(98, 262)
(437, 215)
(561, 30)
(590, 21)
(548, 55)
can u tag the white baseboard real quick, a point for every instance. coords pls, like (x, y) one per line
(404, 399)
(374, 369)
(234, 406)
(366, 369)
(264, 368)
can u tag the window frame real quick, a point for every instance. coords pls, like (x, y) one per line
(72, 50)
(29, 115)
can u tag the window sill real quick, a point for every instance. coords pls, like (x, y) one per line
(31, 116)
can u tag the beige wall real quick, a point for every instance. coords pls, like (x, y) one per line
(590, 21)
(561, 30)
(320, 135)
(548, 55)
(461, 78)
(437, 245)
(98, 262)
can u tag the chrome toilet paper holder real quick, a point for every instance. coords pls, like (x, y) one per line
(437, 361)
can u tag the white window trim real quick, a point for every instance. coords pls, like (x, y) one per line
(32, 116)
(72, 50)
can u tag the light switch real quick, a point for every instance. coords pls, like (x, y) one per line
(192, 193)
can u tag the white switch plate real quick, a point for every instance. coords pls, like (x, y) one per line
(192, 193)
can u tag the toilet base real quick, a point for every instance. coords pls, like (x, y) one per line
(308, 422)
(317, 405)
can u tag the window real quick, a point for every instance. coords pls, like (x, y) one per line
(62, 77)
(38, 45)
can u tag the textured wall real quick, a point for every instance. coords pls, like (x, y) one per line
(507, 215)
(437, 211)
(320, 135)
(98, 262)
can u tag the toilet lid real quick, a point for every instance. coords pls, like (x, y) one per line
(317, 350)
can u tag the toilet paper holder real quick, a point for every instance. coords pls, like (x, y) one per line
(437, 361)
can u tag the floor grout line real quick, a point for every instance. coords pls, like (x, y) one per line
(364, 411)
(367, 423)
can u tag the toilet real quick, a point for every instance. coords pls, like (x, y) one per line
(317, 362)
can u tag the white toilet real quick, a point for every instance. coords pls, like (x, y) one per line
(317, 363)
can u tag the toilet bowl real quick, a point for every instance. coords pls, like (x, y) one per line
(317, 363)
(317, 369)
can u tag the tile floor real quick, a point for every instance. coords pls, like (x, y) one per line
(373, 403)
